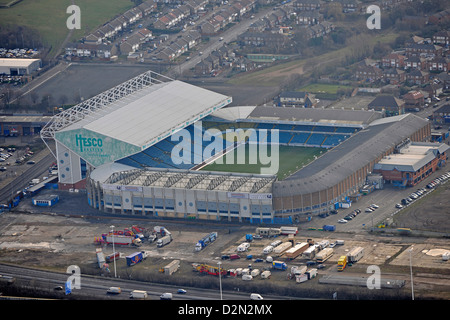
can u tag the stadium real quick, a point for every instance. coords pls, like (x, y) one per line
(159, 147)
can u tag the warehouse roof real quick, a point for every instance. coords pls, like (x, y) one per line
(16, 63)
(412, 157)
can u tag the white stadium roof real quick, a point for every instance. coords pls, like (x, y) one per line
(152, 112)
(141, 111)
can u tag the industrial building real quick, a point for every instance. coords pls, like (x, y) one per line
(19, 67)
(412, 163)
(119, 147)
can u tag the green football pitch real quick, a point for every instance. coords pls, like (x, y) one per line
(290, 160)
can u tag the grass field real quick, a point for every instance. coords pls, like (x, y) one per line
(323, 88)
(49, 17)
(291, 159)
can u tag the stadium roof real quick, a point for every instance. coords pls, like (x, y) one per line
(122, 175)
(353, 154)
(316, 115)
(152, 112)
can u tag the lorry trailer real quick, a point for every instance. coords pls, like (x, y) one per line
(135, 258)
(324, 255)
(296, 250)
(355, 254)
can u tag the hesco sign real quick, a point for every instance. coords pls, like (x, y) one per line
(85, 143)
(95, 148)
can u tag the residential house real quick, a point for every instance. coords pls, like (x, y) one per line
(166, 54)
(415, 62)
(438, 64)
(262, 39)
(368, 73)
(423, 49)
(147, 7)
(349, 6)
(130, 44)
(442, 38)
(85, 50)
(433, 89)
(245, 64)
(393, 60)
(203, 68)
(307, 5)
(210, 27)
(297, 99)
(442, 115)
(417, 77)
(414, 100)
(309, 17)
(192, 37)
(393, 76)
(389, 105)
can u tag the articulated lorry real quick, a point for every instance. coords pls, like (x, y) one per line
(164, 240)
(135, 258)
(205, 241)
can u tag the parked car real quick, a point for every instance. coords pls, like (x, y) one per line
(342, 221)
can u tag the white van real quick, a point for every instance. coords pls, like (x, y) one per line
(256, 296)
(114, 290)
(247, 277)
(138, 294)
(166, 296)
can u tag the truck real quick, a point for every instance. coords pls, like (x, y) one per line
(138, 294)
(355, 254)
(288, 230)
(298, 270)
(279, 265)
(161, 242)
(112, 257)
(172, 267)
(296, 250)
(329, 227)
(311, 273)
(268, 232)
(114, 290)
(122, 240)
(206, 240)
(324, 244)
(342, 263)
(324, 255)
(135, 258)
(100, 258)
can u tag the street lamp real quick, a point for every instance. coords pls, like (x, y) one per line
(410, 270)
(114, 252)
(220, 280)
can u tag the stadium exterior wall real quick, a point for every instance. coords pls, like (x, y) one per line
(296, 205)
(151, 201)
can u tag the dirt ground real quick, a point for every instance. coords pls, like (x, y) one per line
(56, 241)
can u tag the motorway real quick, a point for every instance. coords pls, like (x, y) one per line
(95, 287)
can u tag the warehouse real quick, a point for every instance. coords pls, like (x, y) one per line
(412, 163)
(19, 67)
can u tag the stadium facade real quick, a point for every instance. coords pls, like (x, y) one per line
(119, 147)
